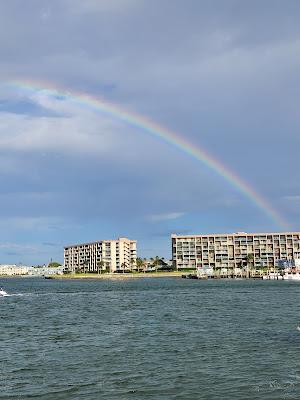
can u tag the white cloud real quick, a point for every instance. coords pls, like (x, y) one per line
(31, 223)
(25, 251)
(166, 216)
(75, 129)
(18, 247)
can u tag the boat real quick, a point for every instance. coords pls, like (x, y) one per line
(285, 275)
(189, 276)
(3, 293)
(272, 276)
(293, 276)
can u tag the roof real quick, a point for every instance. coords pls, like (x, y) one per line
(174, 235)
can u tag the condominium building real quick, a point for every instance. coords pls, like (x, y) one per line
(232, 250)
(109, 255)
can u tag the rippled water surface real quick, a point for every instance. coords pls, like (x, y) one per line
(149, 339)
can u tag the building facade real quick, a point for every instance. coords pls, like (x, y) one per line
(232, 250)
(13, 269)
(103, 255)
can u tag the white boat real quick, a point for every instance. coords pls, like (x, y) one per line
(285, 276)
(293, 276)
(272, 276)
(3, 293)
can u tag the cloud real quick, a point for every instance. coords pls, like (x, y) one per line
(51, 244)
(36, 224)
(16, 246)
(66, 133)
(166, 216)
(293, 198)
(24, 252)
(292, 202)
(100, 7)
(225, 78)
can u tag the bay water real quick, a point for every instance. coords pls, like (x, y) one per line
(152, 338)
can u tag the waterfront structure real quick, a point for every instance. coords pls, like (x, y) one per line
(234, 251)
(103, 255)
(45, 271)
(13, 269)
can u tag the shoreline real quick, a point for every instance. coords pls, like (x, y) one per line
(120, 276)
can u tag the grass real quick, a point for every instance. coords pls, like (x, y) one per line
(157, 274)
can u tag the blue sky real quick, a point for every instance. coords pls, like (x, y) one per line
(223, 74)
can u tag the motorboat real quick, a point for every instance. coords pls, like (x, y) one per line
(294, 276)
(285, 275)
(3, 293)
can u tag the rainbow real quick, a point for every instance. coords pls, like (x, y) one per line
(154, 129)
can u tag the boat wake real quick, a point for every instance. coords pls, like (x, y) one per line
(12, 295)
(298, 328)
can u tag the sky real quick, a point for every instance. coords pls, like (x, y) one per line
(223, 75)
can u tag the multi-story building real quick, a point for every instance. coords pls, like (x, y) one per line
(13, 269)
(109, 255)
(232, 250)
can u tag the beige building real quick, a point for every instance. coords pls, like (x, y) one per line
(109, 255)
(231, 250)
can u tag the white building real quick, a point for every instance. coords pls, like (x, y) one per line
(45, 271)
(103, 255)
(13, 269)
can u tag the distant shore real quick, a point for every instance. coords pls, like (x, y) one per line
(121, 276)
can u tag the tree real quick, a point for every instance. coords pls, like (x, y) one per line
(132, 263)
(123, 265)
(140, 264)
(156, 262)
(239, 268)
(261, 268)
(77, 269)
(85, 264)
(100, 265)
(250, 262)
(54, 264)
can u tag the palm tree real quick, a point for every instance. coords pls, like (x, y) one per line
(261, 268)
(250, 261)
(123, 265)
(139, 263)
(217, 271)
(239, 265)
(100, 266)
(132, 263)
(156, 262)
(85, 263)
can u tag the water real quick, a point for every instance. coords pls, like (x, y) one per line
(149, 339)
